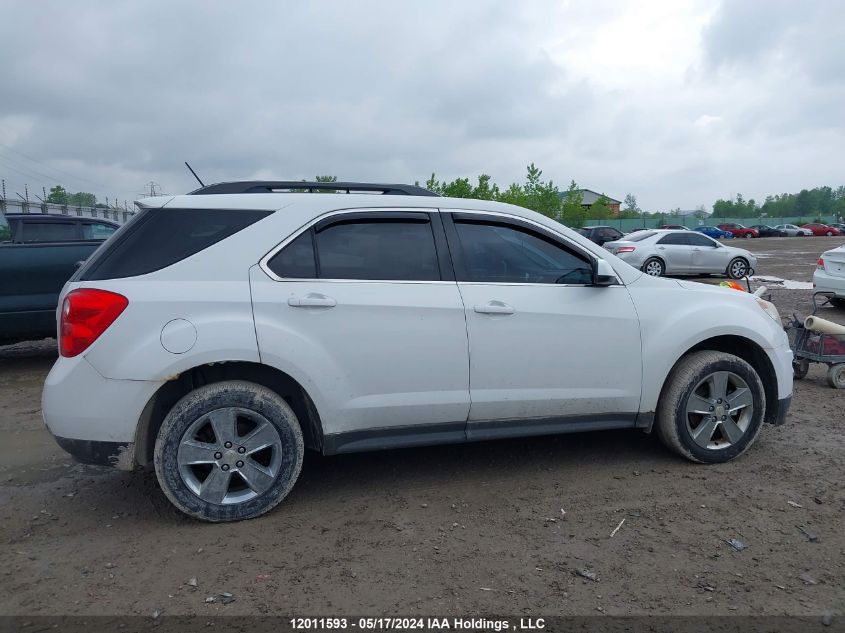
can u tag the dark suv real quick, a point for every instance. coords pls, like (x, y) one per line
(38, 254)
(600, 234)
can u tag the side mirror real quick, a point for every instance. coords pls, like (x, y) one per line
(604, 275)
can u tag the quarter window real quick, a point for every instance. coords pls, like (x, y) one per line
(296, 260)
(507, 254)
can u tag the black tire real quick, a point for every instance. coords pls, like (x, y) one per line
(734, 271)
(244, 396)
(829, 234)
(748, 236)
(836, 376)
(671, 424)
(654, 264)
(800, 369)
(837, 302)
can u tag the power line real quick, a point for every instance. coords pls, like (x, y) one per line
(51, 167)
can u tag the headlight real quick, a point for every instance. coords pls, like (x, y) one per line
(769, 308)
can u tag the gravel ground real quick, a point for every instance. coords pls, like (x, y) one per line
(499, 527)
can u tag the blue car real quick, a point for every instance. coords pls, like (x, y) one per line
(715, 232)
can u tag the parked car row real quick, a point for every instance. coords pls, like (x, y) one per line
(603, 234)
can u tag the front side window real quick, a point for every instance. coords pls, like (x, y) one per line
(97, 230)
(498, 253)
(701, 240)
(378, 250)
(50, 231)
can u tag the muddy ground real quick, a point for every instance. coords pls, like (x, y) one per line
(466, 529)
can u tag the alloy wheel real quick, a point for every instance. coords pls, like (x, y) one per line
(229, 455)
(719, 410)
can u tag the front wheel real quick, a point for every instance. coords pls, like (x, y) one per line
(738, 268)
(829, 234)
(711, 408)
(748, 236)
(228, 451)
(654, 267)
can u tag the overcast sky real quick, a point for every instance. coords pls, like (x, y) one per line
(679, 102)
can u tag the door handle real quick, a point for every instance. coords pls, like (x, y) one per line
(312, 300)
(494, 307)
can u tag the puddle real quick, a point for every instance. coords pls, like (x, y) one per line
(783, 283)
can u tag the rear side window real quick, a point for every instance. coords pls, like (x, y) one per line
(378, 250)
(157, 238)
(49, 231)
(674, 239)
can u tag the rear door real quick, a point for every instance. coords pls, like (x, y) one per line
(547, 348)
(362, 307)
(675, 250)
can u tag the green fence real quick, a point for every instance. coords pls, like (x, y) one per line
(631, 224)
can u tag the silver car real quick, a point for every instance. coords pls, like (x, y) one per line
(661, 252)
(794, 231)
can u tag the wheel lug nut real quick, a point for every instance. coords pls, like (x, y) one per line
(218, 455)
(241, 450)
(225, 467)
(711, 408)
(719, 401)
(239, 464)
(229, 444)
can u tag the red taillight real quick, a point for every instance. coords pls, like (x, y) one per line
(626, 249)
(86, 313)
(820, 264)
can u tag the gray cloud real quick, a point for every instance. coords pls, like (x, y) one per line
(117, 94)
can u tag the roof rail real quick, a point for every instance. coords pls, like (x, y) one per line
(293, 186)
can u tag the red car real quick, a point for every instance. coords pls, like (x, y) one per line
(821, 229)
(739, 231)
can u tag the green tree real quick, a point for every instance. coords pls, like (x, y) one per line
(572, 212)
(82, 199)
(600, 209)
(57, 195)
(631, 203)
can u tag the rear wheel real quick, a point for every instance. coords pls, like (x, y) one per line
(711, 408)
(829, 234)
(748, 236)
(836, 376)
(654, 267)
(228, 451)
(838, 302)
(738, 268)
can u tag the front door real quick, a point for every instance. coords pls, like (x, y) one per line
(674, 250)
(546, 346)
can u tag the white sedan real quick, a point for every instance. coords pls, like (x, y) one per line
(830, 275)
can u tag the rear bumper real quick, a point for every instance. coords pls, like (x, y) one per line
(115, 454)
(828, 283)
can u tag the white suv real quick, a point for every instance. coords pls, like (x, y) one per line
(219, 334)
